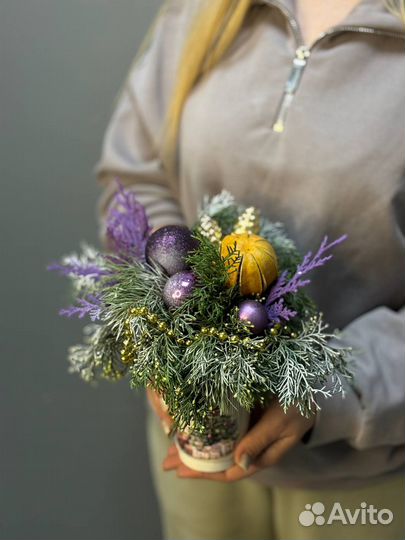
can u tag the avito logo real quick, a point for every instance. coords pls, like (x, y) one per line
(366, 514)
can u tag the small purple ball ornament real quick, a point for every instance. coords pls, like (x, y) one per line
(178, 288)
(255, 313)
(169, 246)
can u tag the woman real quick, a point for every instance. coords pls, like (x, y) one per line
(296, 108)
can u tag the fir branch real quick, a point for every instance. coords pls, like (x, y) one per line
(211, 373)
(135, 284)
(98, 356)
(212, 298)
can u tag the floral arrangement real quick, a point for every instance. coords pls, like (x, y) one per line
(214, 318)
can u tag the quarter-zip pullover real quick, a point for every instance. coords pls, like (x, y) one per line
(313, 135)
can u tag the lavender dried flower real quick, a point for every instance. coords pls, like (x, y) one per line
(88, 264)
(85, 270)
(88, 306)
(279, 312)
(127, 226)
(309, 263)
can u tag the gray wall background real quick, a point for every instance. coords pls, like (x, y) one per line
(73, 458)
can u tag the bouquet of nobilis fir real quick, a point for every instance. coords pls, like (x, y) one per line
(215, 318)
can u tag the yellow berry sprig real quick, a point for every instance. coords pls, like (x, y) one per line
(248, 221)
(210, 229)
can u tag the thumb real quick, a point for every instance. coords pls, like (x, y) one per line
(256, 441)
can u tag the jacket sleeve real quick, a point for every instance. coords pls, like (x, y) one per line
(372, 412)
(131, 146)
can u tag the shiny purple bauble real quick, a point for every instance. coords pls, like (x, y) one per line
(255, 313)
(178, 288)
(169, 246)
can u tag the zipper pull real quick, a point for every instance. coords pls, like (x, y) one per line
(300, 61)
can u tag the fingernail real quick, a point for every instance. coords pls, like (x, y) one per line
(245, 461)
(166, 428)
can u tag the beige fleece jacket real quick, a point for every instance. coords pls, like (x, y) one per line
(314, 137)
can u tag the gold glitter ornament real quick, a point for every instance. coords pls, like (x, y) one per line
(248, 222)
(254, 266)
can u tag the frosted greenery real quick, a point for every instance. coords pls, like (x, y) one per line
(200, 356)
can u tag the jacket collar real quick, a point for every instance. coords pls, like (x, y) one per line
(369, 13)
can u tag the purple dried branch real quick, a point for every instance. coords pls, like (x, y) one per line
(127, 226)
(309, 263)
(279, 312)
(88, 306)
(77, 268)
(87, 264)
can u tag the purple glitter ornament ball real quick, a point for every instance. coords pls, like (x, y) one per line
(169, 246)
(255, 313)
(178, 288)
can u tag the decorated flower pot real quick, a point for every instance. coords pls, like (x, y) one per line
(211, 450)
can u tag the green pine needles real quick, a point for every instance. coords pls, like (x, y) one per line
(200, 356)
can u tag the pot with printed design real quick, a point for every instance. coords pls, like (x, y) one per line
(211, 447)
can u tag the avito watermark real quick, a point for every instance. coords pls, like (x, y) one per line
(366, 514)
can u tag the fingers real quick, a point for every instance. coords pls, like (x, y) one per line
(257, 439)
(275, 452)
(172, 451)
(274, 434)
(172, 462)
(233, 474)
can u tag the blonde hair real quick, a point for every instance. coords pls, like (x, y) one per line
(211, 32)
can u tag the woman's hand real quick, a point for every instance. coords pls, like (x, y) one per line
(264, 445)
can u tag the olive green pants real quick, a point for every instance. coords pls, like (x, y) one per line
(247, 510)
